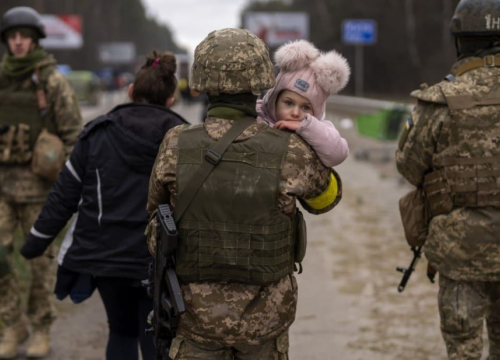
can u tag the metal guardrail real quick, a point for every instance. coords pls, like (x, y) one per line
(342, 103)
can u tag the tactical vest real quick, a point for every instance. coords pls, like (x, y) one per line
(233, 229)
(467, 162)
(21, 121)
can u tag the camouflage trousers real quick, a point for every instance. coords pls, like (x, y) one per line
(41, 311)
(463, 308)
(188, 349)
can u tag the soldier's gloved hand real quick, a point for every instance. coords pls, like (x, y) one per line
(32, 248)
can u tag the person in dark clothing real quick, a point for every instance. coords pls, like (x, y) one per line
(105, 183)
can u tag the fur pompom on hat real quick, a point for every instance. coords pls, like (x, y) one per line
(296, 55)
(308, 72)
(332, 72)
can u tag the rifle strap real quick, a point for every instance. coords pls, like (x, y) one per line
(211, 159)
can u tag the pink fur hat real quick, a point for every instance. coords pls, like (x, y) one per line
(308, 72)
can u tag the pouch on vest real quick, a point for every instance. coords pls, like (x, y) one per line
(15, 144)
(48, 156)
(415, 217)
(7, 134)
(300, 238)
(438, 193)
(21, 152)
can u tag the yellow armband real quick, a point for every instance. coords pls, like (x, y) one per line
(326, 198)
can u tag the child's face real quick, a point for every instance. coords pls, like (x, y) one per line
(292, 106)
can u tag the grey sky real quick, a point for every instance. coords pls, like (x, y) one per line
(192, 20)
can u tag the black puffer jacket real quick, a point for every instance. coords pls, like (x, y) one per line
(105, 182)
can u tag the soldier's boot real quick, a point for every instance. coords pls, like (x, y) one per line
(39, 345)
(13, 336)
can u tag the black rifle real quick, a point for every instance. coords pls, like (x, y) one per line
(417, 254)
(163, 285)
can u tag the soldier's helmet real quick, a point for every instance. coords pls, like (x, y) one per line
(476, 18)
(231, 61)
(22, 16)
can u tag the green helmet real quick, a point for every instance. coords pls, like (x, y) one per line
(22, 16)
(231, 61)
(476, 18)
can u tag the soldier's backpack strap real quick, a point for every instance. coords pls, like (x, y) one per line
(40, 81)
(40, 92)
(487, 61)
(39, 78)
(211, 159)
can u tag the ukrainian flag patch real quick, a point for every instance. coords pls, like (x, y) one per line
(409, 124)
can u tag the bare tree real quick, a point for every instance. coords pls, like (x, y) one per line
(447, 14)
(411, 31)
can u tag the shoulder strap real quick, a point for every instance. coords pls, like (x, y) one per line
(211, 159)
(40, 91)
(487, 61)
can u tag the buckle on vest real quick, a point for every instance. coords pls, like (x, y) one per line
(489, 61)
(212, 157)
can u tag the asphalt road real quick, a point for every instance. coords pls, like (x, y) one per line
(349, 307)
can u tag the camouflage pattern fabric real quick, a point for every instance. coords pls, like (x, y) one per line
(478, 17)
(41, 309)
(303, 175)
(463, 307)
(64, 109)
(17, 183)
(463, 244)
(22, 195)
(185, 349)
(245, 68)
(230, 314)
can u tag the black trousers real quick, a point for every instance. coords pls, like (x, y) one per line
(127, 307)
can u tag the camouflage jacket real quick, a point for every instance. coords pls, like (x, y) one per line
(463, 244)
(230, 313)
(17, 183)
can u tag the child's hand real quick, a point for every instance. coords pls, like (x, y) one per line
(291, 125)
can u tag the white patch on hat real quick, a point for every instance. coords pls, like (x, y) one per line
(301, 85)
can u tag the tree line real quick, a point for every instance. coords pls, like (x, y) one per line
(104, 21)
(414, 43)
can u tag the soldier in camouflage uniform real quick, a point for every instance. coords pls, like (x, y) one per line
(33, 96)
(450, 148)
(235, 257)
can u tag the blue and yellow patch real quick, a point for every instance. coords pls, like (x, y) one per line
(409, 124)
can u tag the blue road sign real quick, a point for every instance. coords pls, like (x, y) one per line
(359, 32)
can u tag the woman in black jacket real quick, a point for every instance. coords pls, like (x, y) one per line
(105, 183)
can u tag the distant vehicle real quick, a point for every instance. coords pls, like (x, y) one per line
(86, 84)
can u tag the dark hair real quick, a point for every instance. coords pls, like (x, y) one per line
(156, 81)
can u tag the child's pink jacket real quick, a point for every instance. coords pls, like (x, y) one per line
(321, 135)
